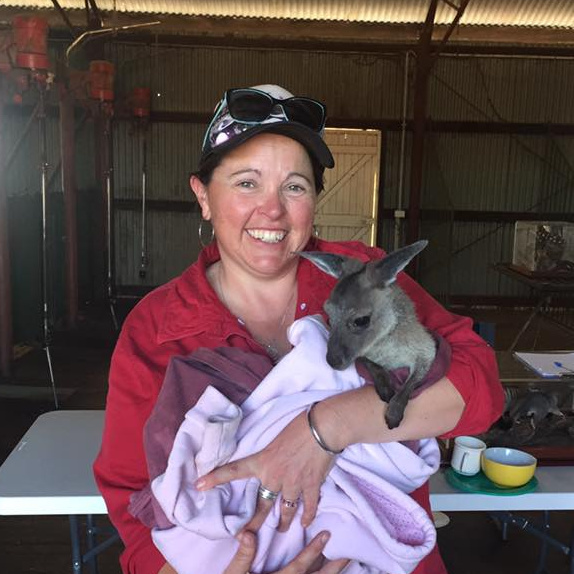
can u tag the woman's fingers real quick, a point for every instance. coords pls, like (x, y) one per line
(291, 463)
(235, 470)
(262, 509)
(289, 504)
(334, 566)
(310, 504)
(305, 559)
(241, 562)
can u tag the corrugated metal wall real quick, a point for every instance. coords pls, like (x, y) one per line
(464, 171)
(192, 79)
(496, 172)
(502, 89)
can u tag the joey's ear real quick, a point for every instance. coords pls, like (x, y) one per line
(334, 265)
(384, 272)
(200, 191)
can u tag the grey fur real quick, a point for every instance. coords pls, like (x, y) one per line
(535, 406)
(393, 337)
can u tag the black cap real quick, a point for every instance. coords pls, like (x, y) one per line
(225, 133)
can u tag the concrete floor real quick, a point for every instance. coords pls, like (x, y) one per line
(470, 544)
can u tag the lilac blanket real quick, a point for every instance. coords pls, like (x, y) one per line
(363, 502)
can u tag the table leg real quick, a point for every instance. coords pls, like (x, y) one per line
(541, 532)
(545, 528)
(571, 552)
(504, 531)
(76, 546)
(112, 539)
(91, 533)
(543, 302)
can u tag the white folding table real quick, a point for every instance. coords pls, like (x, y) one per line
(50, 472)
(555, 491)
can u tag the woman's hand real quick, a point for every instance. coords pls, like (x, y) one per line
(293, 464)
(303, 563)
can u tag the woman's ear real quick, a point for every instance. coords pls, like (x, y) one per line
(200, 191)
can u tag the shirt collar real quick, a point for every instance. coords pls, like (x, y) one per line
(192, 306)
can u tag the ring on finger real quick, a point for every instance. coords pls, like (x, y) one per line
(266, 493)
(289, 503)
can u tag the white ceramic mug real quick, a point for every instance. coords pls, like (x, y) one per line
(466, 455)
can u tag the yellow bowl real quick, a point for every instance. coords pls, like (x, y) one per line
(508, 467)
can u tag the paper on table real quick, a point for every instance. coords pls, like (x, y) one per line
(549, 364)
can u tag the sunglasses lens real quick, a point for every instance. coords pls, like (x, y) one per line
(305, 111)
(248, 105)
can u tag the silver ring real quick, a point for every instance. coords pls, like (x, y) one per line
(289, 503)
(267, 494)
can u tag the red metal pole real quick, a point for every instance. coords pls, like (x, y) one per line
(6, 334)
(67, 130)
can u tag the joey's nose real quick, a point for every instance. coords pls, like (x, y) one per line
(335, 360)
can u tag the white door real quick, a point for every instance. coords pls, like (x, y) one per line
(347, 208)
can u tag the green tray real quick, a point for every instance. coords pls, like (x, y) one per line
(482, 485)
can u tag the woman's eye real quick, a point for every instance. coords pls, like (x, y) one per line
(246, 184)
(296, 188)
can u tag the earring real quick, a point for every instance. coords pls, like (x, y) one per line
(316, 230)
(200, 233)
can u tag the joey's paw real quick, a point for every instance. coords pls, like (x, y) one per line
(394, 415)
(392, 423)
(384, 391)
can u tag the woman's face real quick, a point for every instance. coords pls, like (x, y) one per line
(261, 201)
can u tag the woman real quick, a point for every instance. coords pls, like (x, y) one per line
(260, 172)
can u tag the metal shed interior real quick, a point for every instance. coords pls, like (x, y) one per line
(473, 100)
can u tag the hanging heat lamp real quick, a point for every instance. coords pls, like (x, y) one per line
(101, 89)
(31, 40)
(30, 35)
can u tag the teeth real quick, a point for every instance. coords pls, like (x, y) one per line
(266, 235)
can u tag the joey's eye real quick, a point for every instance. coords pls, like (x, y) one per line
(362, 322)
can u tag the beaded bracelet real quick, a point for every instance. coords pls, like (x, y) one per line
(316, 434)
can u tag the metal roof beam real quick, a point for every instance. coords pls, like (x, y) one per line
(450, 30)
(323, 36)
(423, 62)
(64, 17)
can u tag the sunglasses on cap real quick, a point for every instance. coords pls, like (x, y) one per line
(250, 106)
(253, 106)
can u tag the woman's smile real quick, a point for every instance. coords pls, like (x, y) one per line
(266, 235)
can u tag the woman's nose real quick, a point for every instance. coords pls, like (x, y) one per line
(272, 204)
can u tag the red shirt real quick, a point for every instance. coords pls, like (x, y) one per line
(185, 314)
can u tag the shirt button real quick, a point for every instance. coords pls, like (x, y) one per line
(303, 306)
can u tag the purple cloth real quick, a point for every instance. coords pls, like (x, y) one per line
(233, 372)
